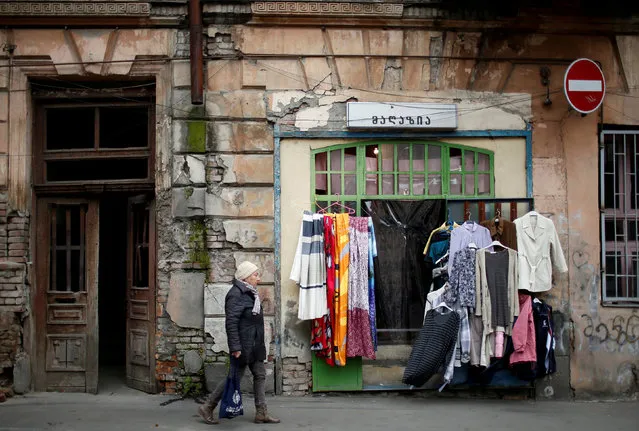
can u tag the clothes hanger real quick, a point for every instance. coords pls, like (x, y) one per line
(441, 258)
(498, 244)
(337, 204)
(468, 215)
(497, 216)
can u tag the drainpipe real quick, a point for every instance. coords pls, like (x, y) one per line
(197, 61)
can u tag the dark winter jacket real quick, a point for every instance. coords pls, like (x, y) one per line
(245, 331)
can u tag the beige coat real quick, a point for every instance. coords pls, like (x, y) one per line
(539, 249)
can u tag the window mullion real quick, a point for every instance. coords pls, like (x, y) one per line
(445, 169)
(395, 169)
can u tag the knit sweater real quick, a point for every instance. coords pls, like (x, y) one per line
(434, 347)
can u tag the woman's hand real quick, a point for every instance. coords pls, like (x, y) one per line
(236, 354)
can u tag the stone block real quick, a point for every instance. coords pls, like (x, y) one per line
(352, 72)
(192, 361)
(185, 303)
(181, 73)
(217, 372)
(318, 73)
(265, 261)
(556, 386)
(240, 202)
(188, 201)
(250, 233)
(214, 326)
(273, 75)
(4, 78)
(267, 296)
(4, 102)
(239, 137)
(280, 40)
(188, 170)
(386, 42)
(214, 296)
(346, 41)
(189, 136)
(224, 75)
(4, 138)
(182, 107)
(238, 104)
(413, 76)
(244, 169)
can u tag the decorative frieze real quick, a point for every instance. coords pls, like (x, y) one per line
(327, 8)
(75, 8)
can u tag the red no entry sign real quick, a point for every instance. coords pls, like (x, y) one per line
(584, 85)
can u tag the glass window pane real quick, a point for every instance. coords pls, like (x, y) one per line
(350, 184)
(75, 271)
(320, 162)
(404, 184)
(483, 184)
(469, 161)
(418, 157)
(97, 169)
(371, 184)
(61, 225)
(124, 127)
(350, 159)
(403, 156)
(336, 184)
(609, 227)
(484, 162)
(434, 158)
(321, 184)
(469, 184)
(388, 184)
(455, 184)
(336, 160)
(70, 128)
(434, 184)
(371, 157)
(388, 157)
(455, 159)
(75, 225)
(418, 185)
(60, 270)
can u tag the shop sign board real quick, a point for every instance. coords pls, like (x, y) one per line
(584, 85)
(401, 115)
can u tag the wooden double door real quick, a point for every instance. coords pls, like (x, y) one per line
(66, 296)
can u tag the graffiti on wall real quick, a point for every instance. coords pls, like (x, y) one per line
(618, 332)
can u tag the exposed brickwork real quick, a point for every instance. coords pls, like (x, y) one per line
(14, 253)
(297, 379)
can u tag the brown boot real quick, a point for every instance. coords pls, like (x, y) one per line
(262, 417)
(206, 412)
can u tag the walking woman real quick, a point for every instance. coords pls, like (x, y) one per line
(245, 333)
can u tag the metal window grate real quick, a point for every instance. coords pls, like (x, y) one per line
(620, 216)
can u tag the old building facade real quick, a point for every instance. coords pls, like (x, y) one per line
(130, 188)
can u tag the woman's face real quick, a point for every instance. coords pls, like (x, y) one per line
(253, 279)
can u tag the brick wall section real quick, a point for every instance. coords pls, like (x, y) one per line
(297, 378)
(14, 253)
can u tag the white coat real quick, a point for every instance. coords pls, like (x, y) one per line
(539, 249)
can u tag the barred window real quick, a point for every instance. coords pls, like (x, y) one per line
(620, 216)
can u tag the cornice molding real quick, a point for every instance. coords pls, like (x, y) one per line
(319, 8)
(72, 9)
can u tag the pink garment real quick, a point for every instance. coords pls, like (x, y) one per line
(499, 344)
(524, 333)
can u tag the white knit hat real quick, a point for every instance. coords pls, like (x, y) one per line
(244, 270)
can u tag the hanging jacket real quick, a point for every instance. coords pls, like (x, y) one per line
(524, 340)
(545, 341)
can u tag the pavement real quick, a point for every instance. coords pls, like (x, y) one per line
(132, 410)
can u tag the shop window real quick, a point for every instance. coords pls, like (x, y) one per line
(620, 216)
(400, 170)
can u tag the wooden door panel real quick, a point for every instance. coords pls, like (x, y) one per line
(66, 295)
(140, 295)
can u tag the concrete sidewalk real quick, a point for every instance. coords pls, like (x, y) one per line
(136, 411)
